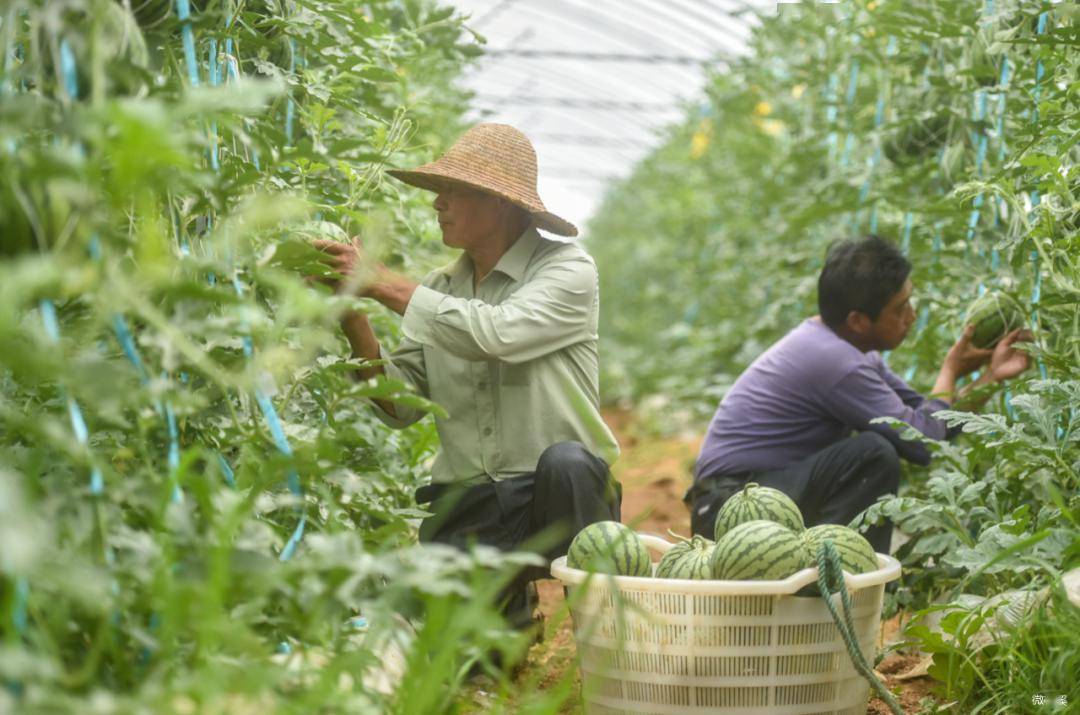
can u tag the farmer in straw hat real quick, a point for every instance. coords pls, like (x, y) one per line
(505, 339)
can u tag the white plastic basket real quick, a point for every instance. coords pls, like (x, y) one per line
(681, 647)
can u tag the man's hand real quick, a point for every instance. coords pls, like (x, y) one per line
(963, 357)
(350, 261)
(363, 276)
(1007, 361)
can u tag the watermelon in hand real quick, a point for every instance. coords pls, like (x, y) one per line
(995, 315)
(609, 547)
(757, 502)
(759, 551)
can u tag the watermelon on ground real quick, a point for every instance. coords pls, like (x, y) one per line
(757, 502)
(609, 547)
(759, 551)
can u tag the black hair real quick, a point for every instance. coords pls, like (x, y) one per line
(860, 275)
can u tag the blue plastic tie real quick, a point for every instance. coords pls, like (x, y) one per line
(1004, 80)
(173, 459)
(831, 112)
(127, 344)
(78, 424)
(266, 406)
(147, 651)
(215, 80)
(978, 112)
(1036, 289)
(849, 144)
(290, 107)
(270, 416)
(226, 470)
(853, 81)
(183, 11)
(67, 69)
(232, 71)
(22, 598)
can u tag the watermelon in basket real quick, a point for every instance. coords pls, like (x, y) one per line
(609, 547)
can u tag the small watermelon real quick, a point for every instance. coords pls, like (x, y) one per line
(689, 559)
(918, 139)
(759, 551)
(609, 547)
(856, 553)
(757, 502)
(994, 314)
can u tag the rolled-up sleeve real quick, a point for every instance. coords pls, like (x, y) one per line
(551, 311)
(864, 394)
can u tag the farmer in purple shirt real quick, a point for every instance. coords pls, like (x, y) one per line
(787, 421)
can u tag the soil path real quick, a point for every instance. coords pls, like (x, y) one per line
(655, 473)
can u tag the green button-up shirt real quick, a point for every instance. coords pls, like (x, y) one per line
(514, 363)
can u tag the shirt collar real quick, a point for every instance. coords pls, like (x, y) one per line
(458, 270)
(512, 264)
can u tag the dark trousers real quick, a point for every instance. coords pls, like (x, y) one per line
(570, 489)
(832, 486)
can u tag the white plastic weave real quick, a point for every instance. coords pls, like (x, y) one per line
(680, 647)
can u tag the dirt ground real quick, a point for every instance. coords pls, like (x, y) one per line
(655, 473)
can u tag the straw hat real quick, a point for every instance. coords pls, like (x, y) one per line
(496, 159)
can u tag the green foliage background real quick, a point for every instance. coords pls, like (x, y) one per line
(135, 197)
(930, 123)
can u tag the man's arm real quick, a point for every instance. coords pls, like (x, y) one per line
(962, 359)
(407, 362)
(365, 345)
(864, 394)
(549, 312)
(870, 392)
(552, 310)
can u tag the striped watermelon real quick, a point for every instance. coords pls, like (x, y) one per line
(759, 550)
(609, 547)
(689, 559)
(994, 314)
(856, 554)
(757, 502)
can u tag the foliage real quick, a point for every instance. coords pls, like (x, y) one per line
(163, 216)
(950, 127)
(783, 156)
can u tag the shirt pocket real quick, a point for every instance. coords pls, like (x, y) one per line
(516, 375)
(449, 379)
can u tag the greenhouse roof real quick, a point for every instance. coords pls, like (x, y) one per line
(592, 82)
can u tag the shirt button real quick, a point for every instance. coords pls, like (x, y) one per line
(487, 431)
(482, 385)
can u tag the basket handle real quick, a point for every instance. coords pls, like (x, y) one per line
(657, 544)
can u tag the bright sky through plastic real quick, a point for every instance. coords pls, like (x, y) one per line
(592, 82)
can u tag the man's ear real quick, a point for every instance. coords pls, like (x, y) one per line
(858, 322)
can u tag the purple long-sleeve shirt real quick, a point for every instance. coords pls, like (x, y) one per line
(811, 389)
